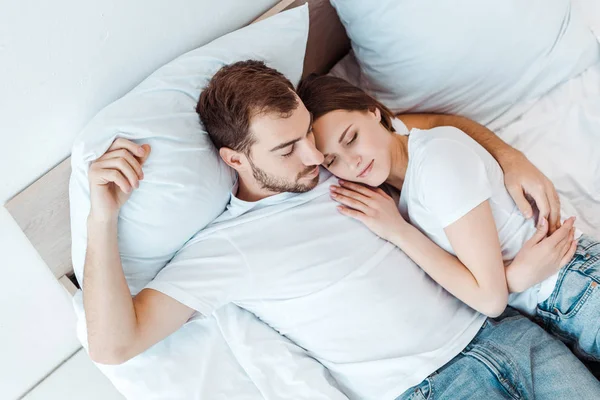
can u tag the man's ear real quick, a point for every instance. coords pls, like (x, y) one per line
(234, 159)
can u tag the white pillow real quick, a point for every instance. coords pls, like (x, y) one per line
(186, 185)
(469, 57)
(231, 354)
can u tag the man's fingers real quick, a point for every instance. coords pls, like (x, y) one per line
(540, 233)
(541, 201)
(123, 167)
(554, 201)
(561, 232)
(126, 155)
(112, 175)
(147, 150)
(134, 148)
(519, 197)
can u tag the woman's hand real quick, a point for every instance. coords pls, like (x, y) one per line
(373, 207)
(541, 256)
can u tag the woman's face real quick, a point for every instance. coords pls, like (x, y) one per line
(355, 145)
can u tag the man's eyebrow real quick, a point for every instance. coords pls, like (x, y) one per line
(286, 144)
(344, 134)
(291, 142)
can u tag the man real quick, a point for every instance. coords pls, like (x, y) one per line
(282, 251)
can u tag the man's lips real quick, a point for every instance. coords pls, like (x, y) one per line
(366, 171)
(312, 173)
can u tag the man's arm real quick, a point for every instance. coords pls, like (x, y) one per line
(119, 326)
(520, 175)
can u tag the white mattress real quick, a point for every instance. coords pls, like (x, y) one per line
(240, 358)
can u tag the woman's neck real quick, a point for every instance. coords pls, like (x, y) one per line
(399, 157)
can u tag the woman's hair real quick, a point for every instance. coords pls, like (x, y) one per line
(323, 94)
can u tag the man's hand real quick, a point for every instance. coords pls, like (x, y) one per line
(114, 176)
(521, 177)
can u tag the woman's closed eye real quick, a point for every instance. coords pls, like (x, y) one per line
(329, 163)
(353, 139)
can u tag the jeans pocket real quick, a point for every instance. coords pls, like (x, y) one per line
(425, 390)
(420, 392)
(569, 303)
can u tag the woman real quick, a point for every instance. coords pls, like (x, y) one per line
(465, 230)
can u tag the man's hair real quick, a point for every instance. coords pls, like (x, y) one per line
(323, 94)
(239, 92)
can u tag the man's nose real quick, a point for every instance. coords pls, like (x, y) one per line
(310, 154)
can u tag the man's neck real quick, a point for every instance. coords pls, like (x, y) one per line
(251, 193)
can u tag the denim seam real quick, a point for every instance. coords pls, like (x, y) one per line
(478, 352)
(580, 302)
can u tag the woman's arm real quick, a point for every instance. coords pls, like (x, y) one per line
(520, 175)
(476, 277)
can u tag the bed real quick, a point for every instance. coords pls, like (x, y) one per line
(560, 134)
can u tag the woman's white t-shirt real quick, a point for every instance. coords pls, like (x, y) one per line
(448, 175)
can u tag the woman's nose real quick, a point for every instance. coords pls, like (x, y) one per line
(355, 162)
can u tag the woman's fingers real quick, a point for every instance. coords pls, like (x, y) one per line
(569, 255)
(564, 245)
(357, 215)
(121, 165)
(350, 193)
(365, 191)
(126, 155)
(350, 202)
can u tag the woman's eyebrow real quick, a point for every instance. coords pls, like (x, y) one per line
(344, 134)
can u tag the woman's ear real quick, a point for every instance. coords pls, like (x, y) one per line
(232, 158)
(376, 113)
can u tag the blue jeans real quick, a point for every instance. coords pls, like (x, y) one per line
(572, 312)
(510, 358)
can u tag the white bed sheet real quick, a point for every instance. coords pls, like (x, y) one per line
(238, 357)
(560, 134)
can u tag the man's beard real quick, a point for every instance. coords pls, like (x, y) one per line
(279, 185)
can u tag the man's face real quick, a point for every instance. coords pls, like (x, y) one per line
(284, 157)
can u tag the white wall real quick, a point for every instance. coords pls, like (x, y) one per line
(61, 61)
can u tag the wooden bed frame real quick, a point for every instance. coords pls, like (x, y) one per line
(42, 209)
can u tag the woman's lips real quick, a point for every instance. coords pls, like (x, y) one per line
(366, 171)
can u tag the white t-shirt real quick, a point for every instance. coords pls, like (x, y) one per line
(355, 302)
(448, 175)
